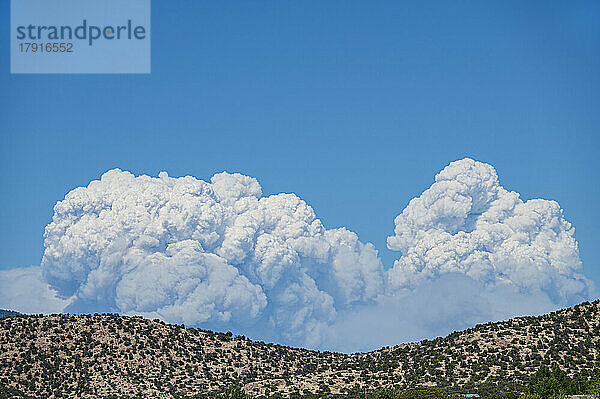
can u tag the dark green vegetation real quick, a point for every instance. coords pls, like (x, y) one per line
(550, 382)
(117, 356)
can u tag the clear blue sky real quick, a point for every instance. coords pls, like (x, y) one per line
(354, 106)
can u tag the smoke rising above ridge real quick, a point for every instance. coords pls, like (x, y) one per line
(467, 223)
(221, 255)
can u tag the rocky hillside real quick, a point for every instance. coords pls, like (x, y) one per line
(104, 355)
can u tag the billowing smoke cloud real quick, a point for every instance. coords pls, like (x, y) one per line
(216, 253)
(472, 251)
(467, 223)
(220, 255)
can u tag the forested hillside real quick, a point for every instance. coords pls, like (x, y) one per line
(103, 355)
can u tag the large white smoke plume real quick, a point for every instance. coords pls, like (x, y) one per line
(220, 255)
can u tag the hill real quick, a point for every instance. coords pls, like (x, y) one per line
(5, 313)
(104, 355)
